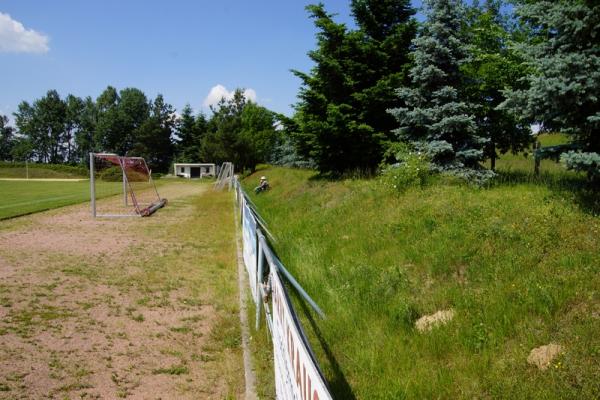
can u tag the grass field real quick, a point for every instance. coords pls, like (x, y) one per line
(21, 197)
(43, 171)
(122, 308)
(26, 197)
(523, 163)
(518, 262)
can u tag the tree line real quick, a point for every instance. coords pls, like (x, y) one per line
(65, 130)
(462, 87)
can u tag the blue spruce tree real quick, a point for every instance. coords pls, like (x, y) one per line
(564, 91)
(436, 118)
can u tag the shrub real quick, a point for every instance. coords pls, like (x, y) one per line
(112, 174)
(412, 168)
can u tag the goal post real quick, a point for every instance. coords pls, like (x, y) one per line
(122, 187)
(225, 176)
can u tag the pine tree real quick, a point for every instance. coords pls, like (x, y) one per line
(564, 52)
(341, 112)
(190, 130)
(153, 138)
(436, 118)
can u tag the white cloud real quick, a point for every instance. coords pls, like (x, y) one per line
(14, 38)
(219, 92)
(250, 94)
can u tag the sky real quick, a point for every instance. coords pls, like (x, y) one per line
(193, 51)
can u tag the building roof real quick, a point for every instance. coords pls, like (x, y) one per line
(195, 164)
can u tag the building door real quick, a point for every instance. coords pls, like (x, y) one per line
(194, 172)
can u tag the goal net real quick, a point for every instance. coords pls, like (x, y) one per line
(122, 187)
(225, 176)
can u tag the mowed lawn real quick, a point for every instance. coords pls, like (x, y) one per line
(26, 197)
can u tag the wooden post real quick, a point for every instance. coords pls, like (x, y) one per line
(536, 156)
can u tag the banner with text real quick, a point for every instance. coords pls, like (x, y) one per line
(297, 376)
(249, 245)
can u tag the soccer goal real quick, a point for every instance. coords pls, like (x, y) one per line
(122, 187)
(225, 176)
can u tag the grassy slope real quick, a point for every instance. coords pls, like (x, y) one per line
(25, 197)
(518, 263)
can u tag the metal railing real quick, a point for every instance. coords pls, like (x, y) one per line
(292, 351)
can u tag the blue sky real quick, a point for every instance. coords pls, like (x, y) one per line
(179, 48)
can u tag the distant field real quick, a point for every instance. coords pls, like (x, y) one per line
(43, 171)
(524, 161)
(26, 197)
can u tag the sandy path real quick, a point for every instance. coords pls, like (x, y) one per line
(110, 308)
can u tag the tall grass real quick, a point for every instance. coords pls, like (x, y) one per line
(518, 261)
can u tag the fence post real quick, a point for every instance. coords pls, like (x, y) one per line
(536, 156)
(259, 275)
(92, 185)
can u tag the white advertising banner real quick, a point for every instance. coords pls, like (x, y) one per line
(297, 376)
(250, 244)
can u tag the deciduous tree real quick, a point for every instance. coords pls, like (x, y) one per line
(7, 139)
(493, 67)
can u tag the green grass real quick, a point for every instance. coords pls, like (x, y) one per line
(37, 171)
(26, 197)
(552, 139)
(523, 162)
(519, 263)
(172, 370)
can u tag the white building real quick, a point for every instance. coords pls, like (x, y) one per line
(195, 170)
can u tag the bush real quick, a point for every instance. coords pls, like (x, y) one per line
(412, 168)
(112, 174)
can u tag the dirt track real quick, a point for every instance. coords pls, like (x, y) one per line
(121, 308)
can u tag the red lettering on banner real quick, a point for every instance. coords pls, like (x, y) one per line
(291, 345)
(298, 378)
(303, 382)
(315, 395)
(309, 388)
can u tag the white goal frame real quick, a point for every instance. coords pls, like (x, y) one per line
(225, 176)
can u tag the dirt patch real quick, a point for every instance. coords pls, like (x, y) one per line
(53, 239)
(89, 309)
(6, 270)
(542, 356)
(428, 322)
